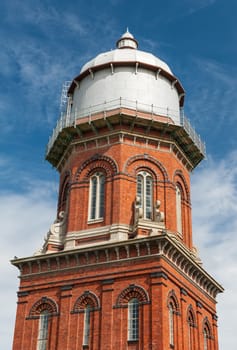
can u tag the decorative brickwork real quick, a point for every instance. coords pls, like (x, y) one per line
(179, 178)
(87, 298)
(43, 304)
(96, 162)
(172, 299)
(146, 161)
(118, 267)
(133, 291)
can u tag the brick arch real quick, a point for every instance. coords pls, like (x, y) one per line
(145, 161)
(43, 304)
(67, 175)
(179, 178)
(107, 164)
(191, 319)
(87, 298)
(206, 325)
(173, 300)
(132, 291)
(64, 188)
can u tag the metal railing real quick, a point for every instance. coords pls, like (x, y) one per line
(176, 117)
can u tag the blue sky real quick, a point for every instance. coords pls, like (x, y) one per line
(43, 43)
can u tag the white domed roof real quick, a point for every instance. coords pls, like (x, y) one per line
(126, 55)
(126, 52)
(129, 77)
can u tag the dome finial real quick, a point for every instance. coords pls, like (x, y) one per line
(127, 41)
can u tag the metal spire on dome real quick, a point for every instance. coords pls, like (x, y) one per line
(127, 41)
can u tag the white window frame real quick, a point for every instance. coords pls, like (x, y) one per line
(43, 330)
(145, 194)
(86, 331)
(133, 319)
(179, 218)
(96, 197)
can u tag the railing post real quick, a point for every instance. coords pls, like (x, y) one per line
(90, 115)
(104, 109)
(71, 115)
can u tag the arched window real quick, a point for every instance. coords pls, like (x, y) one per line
(179, 209)
(43, 330)
(96, 196)
(145, 193)
(191, 328)
(86, 305)
(205, 339)
(173, 310)
(133, 297)
(133, 319)
(207, 336)
(171, 324)
(43, 309)
(86, 333)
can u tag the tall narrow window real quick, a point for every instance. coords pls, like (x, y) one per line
(86, 333)
(171, 324)
(96, 196)
(207, 337)
(145, 193)
(43, 330)
(179, 209)
(133, 319)
(191, 328)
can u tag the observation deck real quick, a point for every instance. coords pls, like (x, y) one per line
(123, 112)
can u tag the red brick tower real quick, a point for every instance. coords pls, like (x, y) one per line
(118, 269)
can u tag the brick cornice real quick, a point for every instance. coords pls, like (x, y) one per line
(164, 246)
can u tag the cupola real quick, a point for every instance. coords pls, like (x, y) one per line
(127, 41)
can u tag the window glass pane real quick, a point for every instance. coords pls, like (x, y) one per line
(86, 326)
(101, 196)
(43, 331)
(140, 188)
(148, 197)
(171, 324)
(97, 196)
(178, 209)
(145, 193)
(93, 197)
(133, 319)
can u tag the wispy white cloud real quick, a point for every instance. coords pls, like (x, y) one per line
(25, 219)
(197, 5)
(212, 99)
(46, 17)
(37, 65)
(215, 226)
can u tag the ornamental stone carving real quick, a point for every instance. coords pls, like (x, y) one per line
(54, 239)
(159, 216)
(137, 210)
